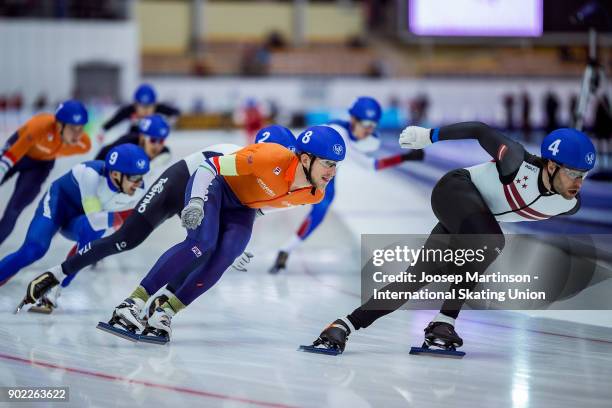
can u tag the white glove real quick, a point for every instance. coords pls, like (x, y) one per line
(240, 263)
(414, 137)
(193, 213)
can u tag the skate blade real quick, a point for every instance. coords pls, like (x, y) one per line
(149, 338)
(320, 350)
(125, 334)
(40, 310)
(437, 352)
(21, 305)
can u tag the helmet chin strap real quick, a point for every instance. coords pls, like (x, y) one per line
(551, 178)
(120, 183)
(308, 173)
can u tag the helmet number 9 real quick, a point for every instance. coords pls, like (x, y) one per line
(113, 158)
(554, 147)
(265, 137)
(306, 137)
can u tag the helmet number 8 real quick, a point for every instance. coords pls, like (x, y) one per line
(554, 147)
(113, 158)
(306, 137)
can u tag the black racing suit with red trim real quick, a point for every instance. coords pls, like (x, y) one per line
(470, 203)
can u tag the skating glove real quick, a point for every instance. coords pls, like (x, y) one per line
(240, 264)
(193, 213)
(414, 137)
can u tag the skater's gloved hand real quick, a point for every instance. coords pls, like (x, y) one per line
(414, 137)
(240, 264)
(193, 213)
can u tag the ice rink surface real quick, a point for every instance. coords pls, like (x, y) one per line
(236, 345)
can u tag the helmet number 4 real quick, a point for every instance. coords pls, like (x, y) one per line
(306, 137)
(554, 147)
(113, 158)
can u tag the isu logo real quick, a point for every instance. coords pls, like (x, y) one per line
(338, 149)
(590, 158)
(153, 191)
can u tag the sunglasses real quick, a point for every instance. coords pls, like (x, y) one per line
(135, 178)
(156, 141)
(368, 123)
(574, 174)
(328, 164)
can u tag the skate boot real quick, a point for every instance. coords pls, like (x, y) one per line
(281, 262)
(125, 322)
(37, 288)
(158, 328)
(47, 302)
(155, 303)
(332, 339)
(442, 335)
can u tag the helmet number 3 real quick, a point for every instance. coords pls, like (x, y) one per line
(554, 147)
(113, 158)
(306, 137)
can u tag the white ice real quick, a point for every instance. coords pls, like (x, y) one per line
(236, 345)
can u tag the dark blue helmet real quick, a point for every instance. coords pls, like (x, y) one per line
(127, 159)
(569, 147)
(71, 112)
(366, 108)
(154, 126)
(145, 95)
(277, 134)
(323, 142)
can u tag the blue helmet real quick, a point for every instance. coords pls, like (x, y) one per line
(366, 108)
(569, 147)
(127, 159)
(154, 126)
(277, 134)
(71, 112)
(145, 95)
(323, 142)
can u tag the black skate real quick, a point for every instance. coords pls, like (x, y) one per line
(37, 288)
(155, 303)
(443, 338)
(281, 262)
(48, 302)
(125, 322)
(331, 341)
(43, 306)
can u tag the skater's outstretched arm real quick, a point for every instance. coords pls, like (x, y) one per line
(122, 114)
(507, 153)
